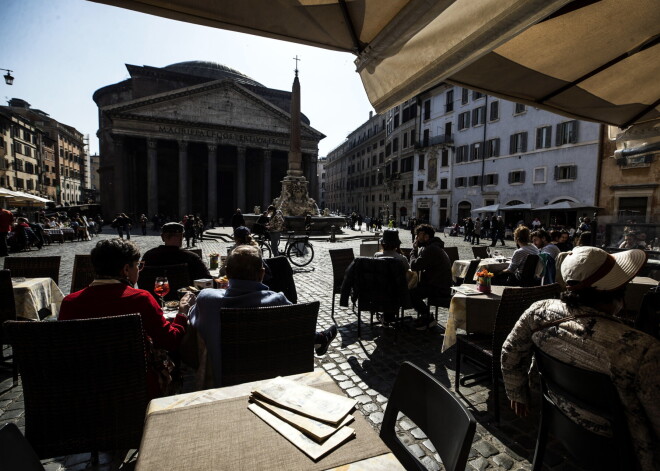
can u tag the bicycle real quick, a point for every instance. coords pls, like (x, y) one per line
(298, 249)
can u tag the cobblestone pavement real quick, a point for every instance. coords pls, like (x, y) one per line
(365, 369)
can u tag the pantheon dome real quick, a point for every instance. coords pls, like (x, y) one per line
(211, 70)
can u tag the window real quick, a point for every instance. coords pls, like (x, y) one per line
(494, 111)
(405, 141)
(518, 143)
(395, 144)
(565, 172)
(520, 108)
(474, 180)
(476, 95)
(460, 182)
(396, 120)
(567, 133)
(388, 149)
(479, 116)
(544, 137)
(465, 96)
(493, 147)
(490, 179)
(449, 101)
(427, 109)
(539, 175)
(426, 138)
(421, 162)
(407, 164)
(444, 159)
(395, 166)
(461, 154)
(30, 185)
(516, 177)
(633, 208)
(443, 183)
(464, 120)
(476, 151)
(412, 137)
(420, 185)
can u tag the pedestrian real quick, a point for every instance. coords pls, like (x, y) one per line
(497, 230)
(6, 223)
(237, 219)
(143, 223)
(275, 228)
(359, 222)
(476, 232)
(469, 230)
(485, 227)
(189, 230)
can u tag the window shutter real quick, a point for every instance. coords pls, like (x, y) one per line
(548, 137)
(457, 182)
(574, 172)
(556, 172)
(558, 137)
(496, 178)
(497, 147)
(573, 137)
(475, 115)
(522, 177)
(472, 152)
(524, 141)
(510, 177)
(512, 144)
(539, 138)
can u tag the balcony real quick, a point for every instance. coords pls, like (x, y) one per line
(435, 140)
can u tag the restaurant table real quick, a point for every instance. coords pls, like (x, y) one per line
(635, 291)
(33, 294)
(473, 313)
(213, 429)
(495, 265)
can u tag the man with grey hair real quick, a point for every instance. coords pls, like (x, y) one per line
(171, 252)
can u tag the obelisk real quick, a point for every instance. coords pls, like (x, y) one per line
(295, 153)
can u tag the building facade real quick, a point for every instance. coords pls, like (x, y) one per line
(195, 137)
(320, 176)
(20, 153)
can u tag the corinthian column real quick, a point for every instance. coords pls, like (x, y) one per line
(240, 178)
(212, 183)
(119, 173)
(267, 191)
(183, 178)
(152, 177)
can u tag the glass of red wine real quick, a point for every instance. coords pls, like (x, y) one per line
(161, 288)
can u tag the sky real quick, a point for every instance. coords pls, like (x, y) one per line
(62, 51)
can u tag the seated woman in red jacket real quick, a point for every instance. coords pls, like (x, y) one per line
(117, 266)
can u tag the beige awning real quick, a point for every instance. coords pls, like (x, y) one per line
(595, 60)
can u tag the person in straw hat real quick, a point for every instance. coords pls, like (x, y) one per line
(581, 329)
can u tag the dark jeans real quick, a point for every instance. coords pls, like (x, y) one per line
(417, 296)
(3, 244)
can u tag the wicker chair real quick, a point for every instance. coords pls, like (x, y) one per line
(83, 272)
(16, 452)
(480, 251)
(34, 267)
(281, 277)
(487, 350)
(265, 342)
(7, 313)
(84, 383)
(177, 276)
(452, 253)
(341, 260)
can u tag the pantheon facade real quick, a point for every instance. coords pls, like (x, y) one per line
(195, 137)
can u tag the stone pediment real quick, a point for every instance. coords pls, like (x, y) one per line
(221, 103)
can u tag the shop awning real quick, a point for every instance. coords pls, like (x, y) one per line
(565, 206)
(588, 59)
(21, 197)
(517, 207)
(493, 208)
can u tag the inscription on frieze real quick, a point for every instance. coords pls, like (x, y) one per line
(221, 135)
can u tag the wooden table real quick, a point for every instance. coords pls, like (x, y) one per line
(494, 265)
(156, 454)
(33, 294)
(474, 313)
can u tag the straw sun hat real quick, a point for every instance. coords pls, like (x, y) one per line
(591, 267)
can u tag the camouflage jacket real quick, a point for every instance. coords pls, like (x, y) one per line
(630, 357)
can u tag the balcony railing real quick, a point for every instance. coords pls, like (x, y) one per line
(435, 140)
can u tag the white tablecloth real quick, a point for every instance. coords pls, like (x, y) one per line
(33, 294)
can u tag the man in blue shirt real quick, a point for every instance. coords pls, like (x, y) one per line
(245, 271)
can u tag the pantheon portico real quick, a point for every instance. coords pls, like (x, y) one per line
(195, 137)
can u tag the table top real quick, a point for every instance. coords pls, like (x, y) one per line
(210, 410)
(31, 295)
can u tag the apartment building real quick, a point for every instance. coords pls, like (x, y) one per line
(320, 177)
(19, 151)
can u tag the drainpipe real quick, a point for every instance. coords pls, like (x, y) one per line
(483, 148)
(599, 166)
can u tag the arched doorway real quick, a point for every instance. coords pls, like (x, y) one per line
(464, 210)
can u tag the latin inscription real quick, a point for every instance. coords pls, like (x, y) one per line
(222, 135)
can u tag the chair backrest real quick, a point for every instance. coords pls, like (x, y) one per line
(368, 249)
(16, 452)
(265, 342)
(514, 302)
(648, 319)
(434, 409)
(84, 383)
(177, 276)
(480, 251)
(83, 272)
(7, 306)
(341, 260)
(528, 272)
(595, 393)
(197, 252)
(281, 277)
(472, 269)
(380, 284)
(34, 267)
(452, 253)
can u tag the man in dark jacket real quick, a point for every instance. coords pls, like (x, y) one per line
(429, 258)
(237, 219)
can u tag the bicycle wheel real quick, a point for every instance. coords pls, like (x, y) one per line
(300, 253)
(265, 250)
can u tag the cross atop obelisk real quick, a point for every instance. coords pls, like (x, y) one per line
(296, 59)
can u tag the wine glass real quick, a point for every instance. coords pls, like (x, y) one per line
(161, 288)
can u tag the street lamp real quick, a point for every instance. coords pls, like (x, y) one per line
(9, 80)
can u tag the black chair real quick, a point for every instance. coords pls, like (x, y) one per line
(83, 272)
(341, 260)
(265, 342)
(84, 383)
(16, 453)
(177, 276)
(480, 251)
(281, 277)
(434, 409)
(593, 392)
(528, 272)
(648, 319)
(34, 267)
(486, 350)
(7, 313)
(469, 274)
(452, 253)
